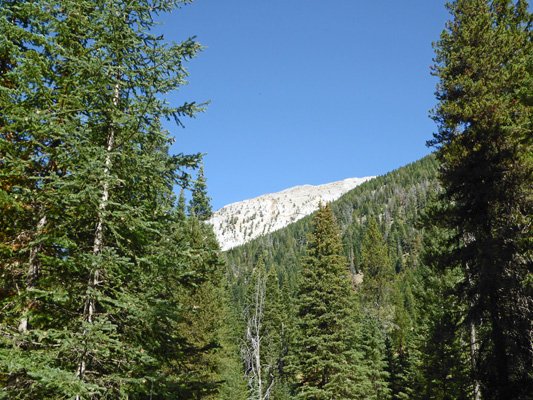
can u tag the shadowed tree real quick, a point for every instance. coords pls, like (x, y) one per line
(484, 145)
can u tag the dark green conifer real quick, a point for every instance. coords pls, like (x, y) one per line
(92, 252)
(484, 145)
(200, 205)
(378, 273)
(326, 359)
(373, 369)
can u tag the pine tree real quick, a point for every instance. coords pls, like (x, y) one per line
(371, 344)
(484, 146)
(378, 273)
(325, 357)
(200, 206)
(93, 254)
(401, 347)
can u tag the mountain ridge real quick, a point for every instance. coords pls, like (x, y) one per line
(240, 222)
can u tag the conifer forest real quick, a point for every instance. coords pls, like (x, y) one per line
(417, 284)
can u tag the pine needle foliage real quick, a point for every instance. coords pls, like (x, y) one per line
(484, 146)
(92, 248)
(326, 357)
(200, 205)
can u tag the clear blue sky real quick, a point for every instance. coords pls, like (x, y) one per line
(306, 91)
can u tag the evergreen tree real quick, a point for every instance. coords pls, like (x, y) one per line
(484, 146)
(401, 346)
(371, 343)
(207, 343)
(274, 325)
(200, 205)
(181, 209)
(378, 273)
(325, 358)
(92, 251)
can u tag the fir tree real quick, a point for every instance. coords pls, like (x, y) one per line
(200, 205)
(374, 374)
(93, 254)
(325, 358)
(378, 273)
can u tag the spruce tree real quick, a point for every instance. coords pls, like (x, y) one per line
(325, 355)
(93, 255)
(378, 273)
(371, 344)
(200, 205)
(484, 148)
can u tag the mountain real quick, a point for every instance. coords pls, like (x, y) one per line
(397, 199)
(238, 223)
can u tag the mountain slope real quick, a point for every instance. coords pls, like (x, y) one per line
(397, 199)
(243, 221)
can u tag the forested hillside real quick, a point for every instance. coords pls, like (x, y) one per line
(382, 235)
(441, 305)
(397, 199)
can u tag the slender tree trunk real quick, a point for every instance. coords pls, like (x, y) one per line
(251, 350)
(34, 269)
(474, 347)
(94, 279)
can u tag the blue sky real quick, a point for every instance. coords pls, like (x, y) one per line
(306, 91)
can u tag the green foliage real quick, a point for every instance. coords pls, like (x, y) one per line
(484, 146)
(400, 198)
(325, 356)
(373, 375)
(264, 339)
(99, 269)
(378, 274)
(200, 205)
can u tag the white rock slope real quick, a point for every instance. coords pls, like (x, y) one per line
(241, 222)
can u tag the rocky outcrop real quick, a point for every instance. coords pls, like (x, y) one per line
(243, 221)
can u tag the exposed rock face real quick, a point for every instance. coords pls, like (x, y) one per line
(243, 221)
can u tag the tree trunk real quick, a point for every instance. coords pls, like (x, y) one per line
(34, 269)
(251, 350)
(94, 279)
(474, 346)
(473, 359)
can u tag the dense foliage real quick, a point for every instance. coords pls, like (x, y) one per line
(326, 358)
(484, 146)
(378, 254)
(100, 271)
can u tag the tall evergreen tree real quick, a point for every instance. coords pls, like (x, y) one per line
(92, 252)
(484, 146)
(325, 357)
(371, 343)
(378, 273)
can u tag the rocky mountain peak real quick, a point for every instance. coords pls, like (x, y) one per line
(240, 222)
